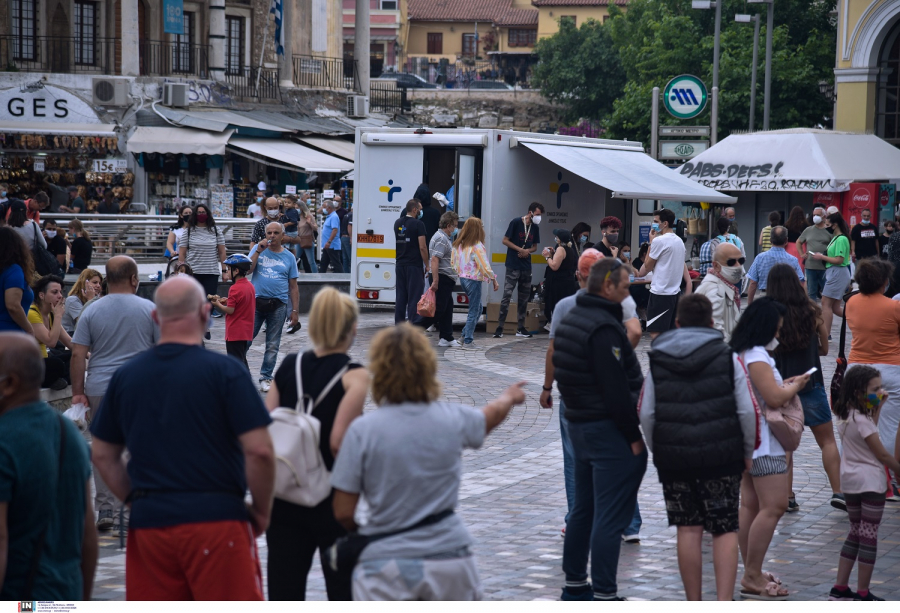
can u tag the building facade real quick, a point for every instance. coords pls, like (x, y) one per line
(384, 33)
(550, 12)
(867, 71)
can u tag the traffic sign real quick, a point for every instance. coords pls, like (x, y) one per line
(685, 97)
(681, 149)
(684, 130)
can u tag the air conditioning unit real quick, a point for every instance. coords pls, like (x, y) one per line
(110, 92)
(175, 94)
(357, 106)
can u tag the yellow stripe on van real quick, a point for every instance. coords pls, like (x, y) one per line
(500, 258)
(375, 252)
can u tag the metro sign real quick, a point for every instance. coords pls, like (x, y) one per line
(685, 97)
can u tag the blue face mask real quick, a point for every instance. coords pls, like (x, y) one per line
(731, 219)
(865, 222)
(454, 233)
(2, 194)
(583, 238)
(655, 227)
(421, 212)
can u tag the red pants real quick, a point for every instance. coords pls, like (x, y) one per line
(202, 561)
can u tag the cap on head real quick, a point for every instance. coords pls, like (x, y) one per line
(831, 210)
(588, 258)
(564, 235)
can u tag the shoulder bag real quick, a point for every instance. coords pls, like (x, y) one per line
(838, 379)
(785, 422)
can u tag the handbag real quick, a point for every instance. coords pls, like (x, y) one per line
(45, 263)
(786, 422)
(693, 222)
(268, 305)
(427, 304)
(838, 379)
(301, 476)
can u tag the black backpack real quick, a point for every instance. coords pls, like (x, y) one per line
(45, 263)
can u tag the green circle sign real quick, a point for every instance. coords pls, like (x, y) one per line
(685, 97)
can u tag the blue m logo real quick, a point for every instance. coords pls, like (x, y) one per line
(684, 96)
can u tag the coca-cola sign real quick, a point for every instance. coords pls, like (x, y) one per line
(861, 198)
(885, 198)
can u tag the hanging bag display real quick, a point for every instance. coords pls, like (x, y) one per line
(693, 222)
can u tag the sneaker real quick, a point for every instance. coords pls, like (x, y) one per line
(207, 335)
(470, 345)
(631, 538)
(838, 502)
(583, 592)
(265, 386)
(431, 329)
(842, 595)
(893, 494)
(446, 343)
(216, 314)
(498, 333)
(523, 333)
(547, 326)
(105, 520)
(609, 597)
(793, 507)
(868, 596)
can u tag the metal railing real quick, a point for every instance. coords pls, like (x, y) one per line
(253, 84)
(143, 237)
(62, 54)
(325, 72)
(163, 58)
(388, 97)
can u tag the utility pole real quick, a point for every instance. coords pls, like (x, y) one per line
(767, 96)
(361, 45)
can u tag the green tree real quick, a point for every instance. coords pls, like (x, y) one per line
(579, 68)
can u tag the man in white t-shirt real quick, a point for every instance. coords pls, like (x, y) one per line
(666, 261)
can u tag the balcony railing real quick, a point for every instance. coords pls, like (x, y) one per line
(254, 84)
(65, 54)
(325, 73)
(163, 58)
(387, 98)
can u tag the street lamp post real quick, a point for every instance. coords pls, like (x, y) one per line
(755, 20)
(706, 5)
(770, 26)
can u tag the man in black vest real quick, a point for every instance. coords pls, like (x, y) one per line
(699, 421)
(599, 379)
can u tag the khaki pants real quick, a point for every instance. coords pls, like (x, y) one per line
(104, 499)
(417, 579)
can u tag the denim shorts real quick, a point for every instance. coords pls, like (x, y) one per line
(816, 410)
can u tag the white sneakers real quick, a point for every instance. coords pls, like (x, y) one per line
(264, 386)
(446, 343)
(431, 329)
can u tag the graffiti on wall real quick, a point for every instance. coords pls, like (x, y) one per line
(206, 92)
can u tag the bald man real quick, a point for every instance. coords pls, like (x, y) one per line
(45, 490)
(722, 286)
(113, 330)
(197, 431)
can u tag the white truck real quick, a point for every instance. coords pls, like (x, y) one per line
(498, 173)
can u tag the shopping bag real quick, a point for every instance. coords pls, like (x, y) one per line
(427, 305)
(78, 414)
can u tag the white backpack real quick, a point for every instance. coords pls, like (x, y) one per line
(300, 473)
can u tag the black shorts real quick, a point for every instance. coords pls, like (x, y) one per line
(662, 307)
(711, 503)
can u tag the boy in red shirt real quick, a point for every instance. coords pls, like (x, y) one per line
(239, 307)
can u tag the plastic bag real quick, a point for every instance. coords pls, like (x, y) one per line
(427, 304)
(77, 413)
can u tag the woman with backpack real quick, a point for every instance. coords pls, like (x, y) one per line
(295, 531)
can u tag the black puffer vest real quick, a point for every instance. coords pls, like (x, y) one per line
(578, 385)
(697, 432)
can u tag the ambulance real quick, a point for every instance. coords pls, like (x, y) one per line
(495, 176)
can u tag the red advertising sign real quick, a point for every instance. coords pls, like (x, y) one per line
(860, 196)
(827, 199)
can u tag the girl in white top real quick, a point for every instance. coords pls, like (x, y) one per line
(184, 219)
(764, 488)
(862, 477)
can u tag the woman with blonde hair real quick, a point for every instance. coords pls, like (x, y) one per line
(470, 261)
(86, 288)
(295, 531)
(81, 247)
(406, 460)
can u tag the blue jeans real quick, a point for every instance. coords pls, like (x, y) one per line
(607, 478)
(295, 247)
(473, 291)
(274, 326)
(569, 474)
(310, 257)
(815, 281)
(345, 252)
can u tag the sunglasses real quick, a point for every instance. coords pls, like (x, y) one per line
(733, 261)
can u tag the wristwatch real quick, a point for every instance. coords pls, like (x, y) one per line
(294, 311)
(547, 389)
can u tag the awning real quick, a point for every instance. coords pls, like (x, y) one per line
(288, 153)
(217, 121)
(627, 172)
(47, 127)
(335, 146)
(177, 140)
(795, 160)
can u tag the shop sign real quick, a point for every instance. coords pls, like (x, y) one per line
(39, 166)
(290, 189)
(110, 165)
(48, 104)
(681, 149)
(173, 16)
(327, 194)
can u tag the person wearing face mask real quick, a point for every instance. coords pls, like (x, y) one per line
(722, 286)
(521, 240)
(884, 238)
(837, 269)
(443, 279)
(271, 212)
(56, 243)
(175, 233)
(864, 238)
(4, 197)
(412, 253)
(609, 228)
(255, 210)
(581, 237)
(559, 280)
(625, 252)
(666, 261)
(331, 239)
(203, 247)
(197, 445)
(814, 239)
(763, 263)
(730, 216)
(764, 486)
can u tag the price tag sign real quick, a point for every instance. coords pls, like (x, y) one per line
(290, 189)
(110, 165)
(39, 166)
(328, 193)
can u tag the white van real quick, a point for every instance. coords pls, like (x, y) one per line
(499, 173)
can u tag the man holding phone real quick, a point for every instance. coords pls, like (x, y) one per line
(814, 239)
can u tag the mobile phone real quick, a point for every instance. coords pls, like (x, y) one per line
(811, 371)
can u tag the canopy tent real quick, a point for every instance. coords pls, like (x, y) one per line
(626, 171)
(291, 155)
(177, 140)
(335, 146)
(797, 160)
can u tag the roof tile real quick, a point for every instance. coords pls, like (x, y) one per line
(499, 12)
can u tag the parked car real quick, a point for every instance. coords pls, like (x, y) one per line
(489, 85)
(405, 79)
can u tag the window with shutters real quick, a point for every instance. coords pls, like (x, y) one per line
(234, 45)
(435, 43)
(522, 38)
(184, 45)
(469, 44)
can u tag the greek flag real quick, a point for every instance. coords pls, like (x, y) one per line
(278, 10)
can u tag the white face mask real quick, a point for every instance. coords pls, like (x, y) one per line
(733, 273)
(772, 345)
(817, 219)
(51, 233)
(272, 214)
(537, 220)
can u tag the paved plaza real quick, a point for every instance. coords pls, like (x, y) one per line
(513, 500)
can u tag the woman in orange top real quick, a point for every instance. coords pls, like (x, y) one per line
(874, 321)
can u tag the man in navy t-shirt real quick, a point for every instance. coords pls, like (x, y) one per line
(197, 431)
(521, 240)
(412, 253)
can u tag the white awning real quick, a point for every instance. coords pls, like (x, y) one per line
(627, 173)
(48, 127)
(289, 153)
(335, 146)
(177, 140)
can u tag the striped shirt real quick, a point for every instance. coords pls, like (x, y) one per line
(202, 249)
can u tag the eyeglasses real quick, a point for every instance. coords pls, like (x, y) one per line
(733, 261)
(616, 265)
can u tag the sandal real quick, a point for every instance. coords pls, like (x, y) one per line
(770, 577)
(772, 591)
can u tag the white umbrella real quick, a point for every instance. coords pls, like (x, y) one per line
(796, 160)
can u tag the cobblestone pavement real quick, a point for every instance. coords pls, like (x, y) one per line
(513, 500)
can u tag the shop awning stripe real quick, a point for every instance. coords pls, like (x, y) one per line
(177, 140)
(291, 154)
(71, 129)
(334, 146)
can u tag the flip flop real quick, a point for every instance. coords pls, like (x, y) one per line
(772, 591)
(770, 577)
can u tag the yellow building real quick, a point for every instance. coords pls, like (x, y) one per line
(551, 11)
(867, 74)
